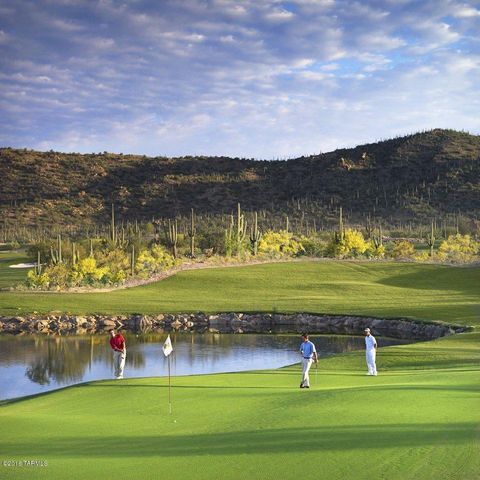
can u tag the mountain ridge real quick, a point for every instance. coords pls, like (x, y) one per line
(422, 175)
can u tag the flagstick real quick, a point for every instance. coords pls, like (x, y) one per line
(169, 388)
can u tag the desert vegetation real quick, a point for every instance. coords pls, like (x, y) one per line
(122, 252)
(105, 219)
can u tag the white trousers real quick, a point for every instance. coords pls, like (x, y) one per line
(119, 362)
(372, 367)
(306, 364)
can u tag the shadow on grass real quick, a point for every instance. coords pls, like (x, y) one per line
(201, 387)
(316, 387)
(437, 277)
(265, 441)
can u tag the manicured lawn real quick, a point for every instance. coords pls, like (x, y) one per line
(430, 292)
(12, 276)
(419, 419)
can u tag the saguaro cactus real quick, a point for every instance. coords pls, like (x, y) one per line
(255, 235)
(113, 236)
(38, 266)
(56, 254)
(341, 227)
(132, 261)
(241, 230)
(172, 236)
(369, 227)
(378, 238)
(431, 239)
(60, 259)
(191, 233)
(74, 254)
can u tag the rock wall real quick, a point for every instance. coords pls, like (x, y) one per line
(228, 323)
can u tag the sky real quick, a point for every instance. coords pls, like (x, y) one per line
(263, 79)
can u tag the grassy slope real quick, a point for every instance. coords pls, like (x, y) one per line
(419, 419)
(430, 292)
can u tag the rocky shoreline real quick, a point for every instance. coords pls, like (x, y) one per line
(63, 324)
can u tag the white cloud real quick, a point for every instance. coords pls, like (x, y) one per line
(256, 78)
(466, 11)
(279, 15)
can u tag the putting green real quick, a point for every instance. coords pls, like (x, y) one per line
(419, 419)
(429, 292)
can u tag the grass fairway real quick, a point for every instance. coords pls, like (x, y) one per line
(430, 292)
(419, 419)
(12, 276)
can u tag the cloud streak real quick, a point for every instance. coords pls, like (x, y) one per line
(262, 79)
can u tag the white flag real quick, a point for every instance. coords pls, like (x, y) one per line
(167, 347)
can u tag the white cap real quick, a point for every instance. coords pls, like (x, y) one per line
(367, 330)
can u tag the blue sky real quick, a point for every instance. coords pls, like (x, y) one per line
(254, 78)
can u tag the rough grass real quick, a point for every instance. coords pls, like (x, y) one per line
(419, 419)
(429, 292)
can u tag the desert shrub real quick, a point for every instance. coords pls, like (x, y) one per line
(423, 256)
(279, 244)
(86, 272)
(211, 239)
(37, 281)
(459, 248)
(314, 246)
(403, 250)
(115, 260)
(353, 245)
(154, 260)
(43, 247)
(115, 278)
(59, 275)
(373, 251)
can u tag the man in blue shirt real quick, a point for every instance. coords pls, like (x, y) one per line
(309, 354)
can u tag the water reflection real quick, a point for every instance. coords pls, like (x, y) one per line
(37, 363)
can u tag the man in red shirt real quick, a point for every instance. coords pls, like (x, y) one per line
(117, 342)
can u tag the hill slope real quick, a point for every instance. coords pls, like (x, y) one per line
(421, 175)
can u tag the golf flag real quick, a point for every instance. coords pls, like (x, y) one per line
(167, 347)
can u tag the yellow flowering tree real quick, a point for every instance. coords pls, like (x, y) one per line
(279, 244)
(403, 250)
(38, 281)
(352, 245)
(154, 260)
(86, 271)
(459, 248)
(374, 251)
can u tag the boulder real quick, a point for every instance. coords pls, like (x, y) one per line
(176, 324)
(107, 322)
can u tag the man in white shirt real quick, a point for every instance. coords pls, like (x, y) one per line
(371, 351)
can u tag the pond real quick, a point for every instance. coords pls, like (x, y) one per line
(35, 363)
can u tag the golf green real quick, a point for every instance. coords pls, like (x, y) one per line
(419, 419)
